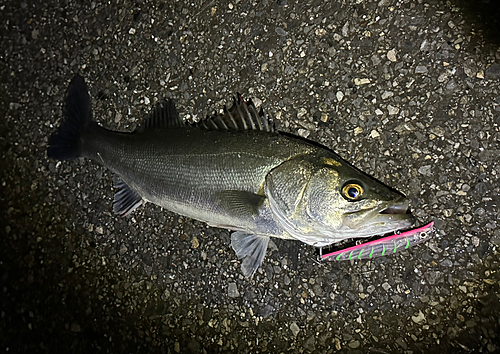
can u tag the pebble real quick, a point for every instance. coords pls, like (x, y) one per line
(195, 243)
(446, 263)
(419, 318)
(493, 72)
(354, 344)
(420, 69)
(294, 328)
(337, 343)
(387, 94)
(280, 31)
(339, 95)
(392, 110)
(232, 290)
(391, 55)
(75, 327)
(425, 170)
(359, 82)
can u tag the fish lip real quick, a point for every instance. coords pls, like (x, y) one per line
(387, 217)
(402, 208)
(397, 208)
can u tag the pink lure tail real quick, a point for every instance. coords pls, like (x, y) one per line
(384, 246)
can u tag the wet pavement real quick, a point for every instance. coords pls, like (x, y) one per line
(406, 90)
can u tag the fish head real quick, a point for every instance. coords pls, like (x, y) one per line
(324, 200)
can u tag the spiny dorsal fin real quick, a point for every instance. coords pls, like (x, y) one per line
(164, 115)
(241, 116)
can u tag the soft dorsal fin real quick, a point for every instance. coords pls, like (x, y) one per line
(164, 115)
(241, 116)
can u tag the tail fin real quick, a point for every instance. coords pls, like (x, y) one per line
(66, 143)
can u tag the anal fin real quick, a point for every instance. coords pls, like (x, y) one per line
(125, 200)
(250, 247)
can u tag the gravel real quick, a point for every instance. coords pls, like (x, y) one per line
(407, 91)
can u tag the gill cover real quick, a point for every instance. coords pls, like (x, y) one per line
(304, 197)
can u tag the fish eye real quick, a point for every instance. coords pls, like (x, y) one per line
(352, 191)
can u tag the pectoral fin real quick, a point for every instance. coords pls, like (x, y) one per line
(240, 203)
(250, 247)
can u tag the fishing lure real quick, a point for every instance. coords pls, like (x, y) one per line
(384, 246)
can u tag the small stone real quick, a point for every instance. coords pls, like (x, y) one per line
(301, 113)
(358, 130)
(374, 134)
(303, 132)
(470, 323)
(337, 343)
(195, 243)
(375, 60)
(443, 77)
(266, 311)
(99, 230)
(386, 286)
(359, 82)
(493, 72)
(177, 347)
(392, 110)
(402, 343)
(123, 249)
(475, 241)
(324, 117)
(294, 328)
(391, 55)
(354, 344)
(309, 343)
(131, 31)
(280, 31)
(146, 101)
(425, 170)
(387, 94)
(320, 32)
(419, 318)
(339, 95)
(232, 290)
(213, 10)
(446, 263)
(420, 69)
(451, 85)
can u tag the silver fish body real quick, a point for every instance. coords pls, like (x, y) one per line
(233, 171)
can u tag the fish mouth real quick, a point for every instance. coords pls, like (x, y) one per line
(384, 218)
(401, 208)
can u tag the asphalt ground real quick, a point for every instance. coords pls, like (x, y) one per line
(408, 91)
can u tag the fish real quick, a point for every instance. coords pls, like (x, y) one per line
(233, 170)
